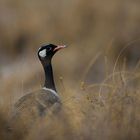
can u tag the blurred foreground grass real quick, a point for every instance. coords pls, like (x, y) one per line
(107, 110)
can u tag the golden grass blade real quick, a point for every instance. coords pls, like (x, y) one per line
(121, 52)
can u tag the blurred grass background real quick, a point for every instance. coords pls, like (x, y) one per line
(97, 75)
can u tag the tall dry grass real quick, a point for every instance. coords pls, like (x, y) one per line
(108, 110)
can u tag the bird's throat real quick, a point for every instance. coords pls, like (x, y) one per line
(49, 81)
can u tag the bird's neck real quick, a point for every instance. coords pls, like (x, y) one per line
(49, 81)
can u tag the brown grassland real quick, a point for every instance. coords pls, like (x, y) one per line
(97, 76)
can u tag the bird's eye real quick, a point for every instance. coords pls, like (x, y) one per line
(48, 49)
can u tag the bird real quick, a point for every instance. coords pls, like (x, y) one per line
(39, 103)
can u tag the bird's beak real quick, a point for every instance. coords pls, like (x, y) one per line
(59, 47)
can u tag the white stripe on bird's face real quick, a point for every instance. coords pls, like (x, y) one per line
(42, 53)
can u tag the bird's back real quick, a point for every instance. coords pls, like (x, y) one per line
(36, 103)
(32, 106)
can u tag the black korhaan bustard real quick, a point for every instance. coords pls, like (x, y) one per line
(38, 103)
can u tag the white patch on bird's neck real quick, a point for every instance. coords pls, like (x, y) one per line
(51, 90)
(42, 53)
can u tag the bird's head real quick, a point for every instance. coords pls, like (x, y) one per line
(45, 53)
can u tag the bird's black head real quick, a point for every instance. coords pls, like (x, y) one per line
(45, 53)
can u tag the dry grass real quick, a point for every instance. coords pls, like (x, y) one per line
(108, 110)
(97, 76)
